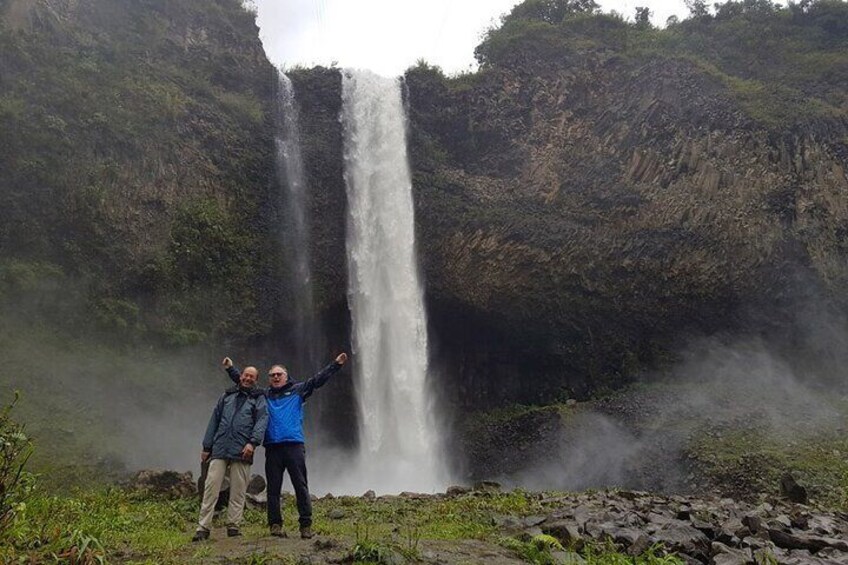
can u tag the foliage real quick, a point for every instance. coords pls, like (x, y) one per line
(552, 11)
(753, 460)
(607, 554)
(118, 122)
(15, 483)
(784, 64)
(87, 526)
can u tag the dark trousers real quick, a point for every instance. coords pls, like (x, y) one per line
(291, 457)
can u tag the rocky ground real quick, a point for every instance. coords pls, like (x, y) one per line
(483, 524)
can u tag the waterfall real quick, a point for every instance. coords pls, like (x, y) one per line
(399, 447)
(294, 205)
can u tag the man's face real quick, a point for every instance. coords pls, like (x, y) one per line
(248, 377)
(278, 376)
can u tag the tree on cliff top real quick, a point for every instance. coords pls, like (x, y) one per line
(552, 11)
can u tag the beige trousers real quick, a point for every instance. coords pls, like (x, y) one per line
(239, 474)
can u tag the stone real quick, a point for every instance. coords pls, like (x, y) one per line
(683, 538)
(336, 514)
(533, 531)
(257, 500)
(168, 484)
(789, 488)
(487, 486)
(612, 531)
(638, 547)
(256, 484)
(566, 558)
(793, 540)
(531, 521)
(823, 525)
(392, 557)
(753, 523)
(507, 522)
(783, 520)
(457, 490)
(323, 544)
(833, 555)
(801, 557)
(369, 495)
(567, 532)
(723, 555)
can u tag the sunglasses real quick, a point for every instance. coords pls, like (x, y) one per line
(276, 374)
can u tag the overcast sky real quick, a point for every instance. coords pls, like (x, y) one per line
(387, 36)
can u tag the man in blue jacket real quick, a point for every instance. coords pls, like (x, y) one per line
(284, 441)
(235, 429)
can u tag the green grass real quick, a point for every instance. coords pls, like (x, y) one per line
(752, 461)
(111, 524)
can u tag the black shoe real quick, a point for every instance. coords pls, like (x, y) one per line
(200, 535)
(306, 532)
(233, 532)
(277, 531)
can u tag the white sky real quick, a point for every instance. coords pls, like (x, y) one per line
(388, 36)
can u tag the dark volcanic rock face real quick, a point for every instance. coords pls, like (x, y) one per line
(584, 214)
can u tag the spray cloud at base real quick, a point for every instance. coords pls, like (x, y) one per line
(722, 392)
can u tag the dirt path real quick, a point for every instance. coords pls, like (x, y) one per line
(324, 549)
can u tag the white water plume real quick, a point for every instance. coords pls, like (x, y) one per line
(306, 336)
(399, 444)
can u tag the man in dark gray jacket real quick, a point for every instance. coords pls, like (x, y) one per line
(236, 428)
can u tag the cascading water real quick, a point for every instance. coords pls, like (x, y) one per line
(399, 446)
(306, 336)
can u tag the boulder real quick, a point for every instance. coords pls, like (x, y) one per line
(531, 521)
(794, 540)
(168, 484)
(683, 538)
(457, 490)
(790, 489)
(723, 555)
(256, 485)
(487, 486)
(369, 495)
(567, 532)
(566, 558)
(507, 522)
(259, 500)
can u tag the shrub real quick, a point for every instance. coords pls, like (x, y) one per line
(15, 483)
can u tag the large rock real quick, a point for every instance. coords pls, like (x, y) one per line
(683, 538)
(256, 485)
(790, 488)
(169, 484)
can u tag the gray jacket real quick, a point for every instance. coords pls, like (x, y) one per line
(240, 417)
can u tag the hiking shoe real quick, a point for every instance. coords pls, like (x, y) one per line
(306, 532)
(277, 531)
(200, 535)
(233, 532)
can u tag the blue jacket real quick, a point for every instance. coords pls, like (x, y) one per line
(240, 417)
(285, 405)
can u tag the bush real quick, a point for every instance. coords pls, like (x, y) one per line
(15, 483)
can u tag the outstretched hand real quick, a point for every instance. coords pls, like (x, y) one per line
(341, 359)
(227, 362)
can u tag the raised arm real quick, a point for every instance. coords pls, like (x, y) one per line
(232, 372)
(322, 377)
